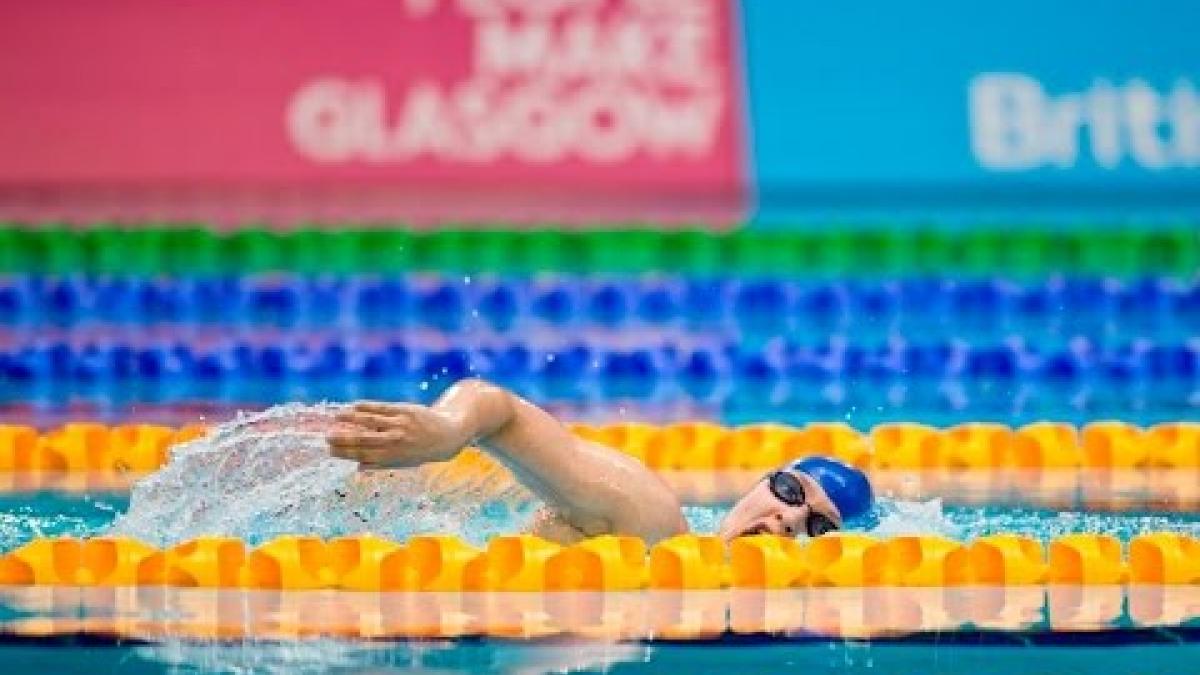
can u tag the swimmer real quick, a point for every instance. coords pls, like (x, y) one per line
(589, 489)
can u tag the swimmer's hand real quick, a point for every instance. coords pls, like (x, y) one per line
(591, 488)
(396, 435)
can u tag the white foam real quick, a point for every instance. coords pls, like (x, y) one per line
(898, 518)
(270, 473)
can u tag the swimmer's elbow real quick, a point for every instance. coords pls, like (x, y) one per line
(494, 407)
(476, 387)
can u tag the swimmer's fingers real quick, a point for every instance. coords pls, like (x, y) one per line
(389, 409)
(367, 420)
(342, 450)
(360, 440)
(376, 458)
(368, 457)
(352, 454)
(368, 437)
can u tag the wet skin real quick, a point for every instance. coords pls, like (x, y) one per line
(589, 489)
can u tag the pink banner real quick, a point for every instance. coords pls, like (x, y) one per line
(237, 109)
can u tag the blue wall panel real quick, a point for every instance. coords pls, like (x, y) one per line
(943, 108)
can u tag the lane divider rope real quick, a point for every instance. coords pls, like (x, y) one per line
(84, 446)
(524, 563)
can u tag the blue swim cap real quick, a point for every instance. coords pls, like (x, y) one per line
(847, 486)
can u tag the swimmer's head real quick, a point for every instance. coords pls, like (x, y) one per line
(809, 497)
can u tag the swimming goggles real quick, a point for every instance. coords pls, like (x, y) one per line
(789, 490)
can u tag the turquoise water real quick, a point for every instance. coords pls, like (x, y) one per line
(957, 651)
(47, 514)
(269, 475)
(976, 654)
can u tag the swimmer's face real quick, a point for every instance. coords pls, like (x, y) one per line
(760, 511)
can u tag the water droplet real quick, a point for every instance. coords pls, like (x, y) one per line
(270, 473)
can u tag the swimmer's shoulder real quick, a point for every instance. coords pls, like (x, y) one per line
(656, 512)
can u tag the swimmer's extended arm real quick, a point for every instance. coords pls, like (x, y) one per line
(593, 488)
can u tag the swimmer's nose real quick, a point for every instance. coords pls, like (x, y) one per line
(777, 525)
(789, 525)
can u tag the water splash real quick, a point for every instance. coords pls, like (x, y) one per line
(324, 655)
(896, 518)
(268, 474)
(287, 657)
(966, 523)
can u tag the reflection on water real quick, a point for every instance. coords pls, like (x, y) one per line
(165, 614)
(191, 630)
(980, 656)
(325, 654)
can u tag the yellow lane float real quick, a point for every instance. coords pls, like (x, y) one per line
(691, 446)
(525, 564)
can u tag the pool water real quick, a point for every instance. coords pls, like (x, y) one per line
(941, 657)
(1102, 632)
(270, 474)
(951, 649)
(24, 516)
(884, 335)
